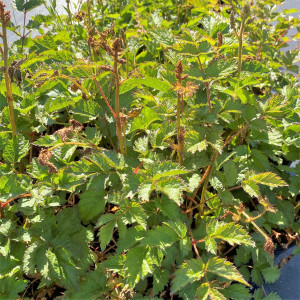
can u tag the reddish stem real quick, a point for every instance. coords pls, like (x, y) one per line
(236, 134)
(137, 168)
(15, 198)
(105, 99)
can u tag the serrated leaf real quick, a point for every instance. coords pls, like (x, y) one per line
(141, 145)
(61, 266)
(145, 189)
(203, 291)
(105, 234)
(216, 295)
(154, 83)
(224, 268)
(82, 71)
(137, 212)
(168, 207)
(272, 296)
(47, 140)
(4, 137)
(67, 182)
(68, 257)
(161, 278)
(187, 48)
(163, 36)
(134, 265)
(231, 173)
(237, 292)
(230, 232)
(271, 274)
(46, 41)
(11, 287)
(91, 204)
(179, 227)
(251, 188)
(59, 55)
(131, 237)
(144, 119)
(188, 272)
(160, 236)
(31, 4)
(256, 276)
(8, 266)
(220, 68)
(198, 147)
(115, 263)
(210, 244)
(106, 160)
(105, 219)
(267, 178)
(172, 187)
(30, 257)
(166, 169)
(19, 4)
(59, 103)
(90, 110)
(93, 285)
(15, 149)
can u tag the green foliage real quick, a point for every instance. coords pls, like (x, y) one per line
(10, 287)
(229, 232)
(199, 194)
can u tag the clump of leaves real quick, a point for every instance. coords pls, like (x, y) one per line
(147, 158)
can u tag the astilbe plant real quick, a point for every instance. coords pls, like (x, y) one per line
(150, 158)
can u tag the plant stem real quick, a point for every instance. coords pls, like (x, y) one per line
(88, 7)
(205, 185)
(104, 97)
(69, 11)
(108, 134)
(73, 143)
(196, 206)
(117, 104)
(255, 225)
(23, 36)
(244, 16)
(75, 82)
(8, 83)
(31, 146)
(206, 86)
(3, 204)
(233, 136)
(179, 133)
(194, 245)
(127, 67)
(240, 37)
